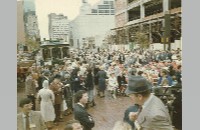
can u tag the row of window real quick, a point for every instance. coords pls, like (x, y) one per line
(60, 24)
(105, 6)
(59, 33)
(108, 2)
(102, 11)
(59, 28)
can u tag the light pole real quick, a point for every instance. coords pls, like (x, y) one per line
(167, 28)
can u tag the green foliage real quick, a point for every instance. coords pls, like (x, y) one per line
(142, 39)
(32, 44)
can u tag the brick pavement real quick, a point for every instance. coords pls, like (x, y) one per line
(105, 113)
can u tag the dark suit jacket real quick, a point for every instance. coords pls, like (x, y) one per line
(36, 119)
(41, 79)
(84, 117)
(102, 76)
(58, 94)
(133, 108)
(89, 84)
(155, 116)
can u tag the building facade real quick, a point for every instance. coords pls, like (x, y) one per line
(29, 5)
(20, 25)
(59, 27)
(158, 20)
(32, 33)
(89, 28)
(31, 25)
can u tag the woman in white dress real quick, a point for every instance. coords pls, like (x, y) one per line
(112, 84)
(46, 99)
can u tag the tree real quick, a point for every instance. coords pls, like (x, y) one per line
(32, 44)
(110, 39)
(142, 39)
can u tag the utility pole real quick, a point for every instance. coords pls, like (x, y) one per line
(166, 39)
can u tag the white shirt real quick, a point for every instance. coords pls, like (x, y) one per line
(24, 119)
(81, 104)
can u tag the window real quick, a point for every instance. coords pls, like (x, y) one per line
(94, 10)
(103, 6)
(103, 11)
(106, 2)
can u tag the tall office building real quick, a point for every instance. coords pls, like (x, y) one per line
(159, 20)
(58, 27)
(31, 21)
(31, 25)
(20, 24)
(29, 5)
(93, 22)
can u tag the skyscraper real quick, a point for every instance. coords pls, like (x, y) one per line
(58, 27)
(93, 23)
(20, 24)
(29, 5)
(31, 25)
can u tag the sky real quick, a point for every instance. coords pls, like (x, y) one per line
(69, 8)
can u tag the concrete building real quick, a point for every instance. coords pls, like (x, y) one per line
(59, 27)
(89, 28)
(29, 5)
(158, 20)
(31, 25)
(20, 25)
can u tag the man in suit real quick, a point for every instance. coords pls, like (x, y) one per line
(56, 87)
(80, 113)
(42, 77)
(28, 119)
(152, 113)
(30, 87)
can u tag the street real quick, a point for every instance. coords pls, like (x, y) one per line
(105, 113)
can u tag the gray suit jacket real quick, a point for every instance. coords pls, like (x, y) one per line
(36, 119)
(154, 116)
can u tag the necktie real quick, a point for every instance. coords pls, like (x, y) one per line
(27, 122)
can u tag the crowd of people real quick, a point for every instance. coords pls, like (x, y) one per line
(63, 89)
